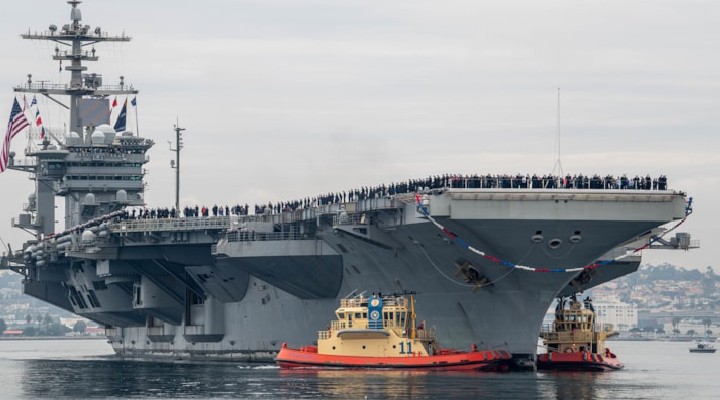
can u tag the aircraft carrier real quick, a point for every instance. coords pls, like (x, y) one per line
(487, 254)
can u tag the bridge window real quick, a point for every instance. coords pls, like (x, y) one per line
(401, 318)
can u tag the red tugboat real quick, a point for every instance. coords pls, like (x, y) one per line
(379, 332)
(575, 342)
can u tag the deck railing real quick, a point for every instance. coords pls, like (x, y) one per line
(170, 224)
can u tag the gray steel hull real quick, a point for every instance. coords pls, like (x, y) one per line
(506, 314)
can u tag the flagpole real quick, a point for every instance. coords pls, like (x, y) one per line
(25, 110)
(558, 164)
(137, 123)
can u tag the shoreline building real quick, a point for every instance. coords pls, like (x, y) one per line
(622, 316)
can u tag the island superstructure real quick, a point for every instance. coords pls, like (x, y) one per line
(488, 255)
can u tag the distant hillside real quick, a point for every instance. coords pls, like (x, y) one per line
(667, 272)
(10, 280)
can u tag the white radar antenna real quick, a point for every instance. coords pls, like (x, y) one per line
(558, 164)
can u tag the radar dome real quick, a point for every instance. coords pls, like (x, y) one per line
(109, 137)
(107, 131)
(97, 137)
(105, 128)
(74, 139)
(121, 196)
(87, 237)
(89, 199)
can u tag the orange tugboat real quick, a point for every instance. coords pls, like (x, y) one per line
(575, 342)
(379, 332)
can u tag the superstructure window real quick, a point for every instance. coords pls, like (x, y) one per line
(104, 178)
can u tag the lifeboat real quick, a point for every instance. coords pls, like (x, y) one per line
(575, 342)
(379, 332)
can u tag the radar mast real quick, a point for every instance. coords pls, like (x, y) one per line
(96, 167)
(75, 37)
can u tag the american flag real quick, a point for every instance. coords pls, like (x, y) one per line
(17, 123)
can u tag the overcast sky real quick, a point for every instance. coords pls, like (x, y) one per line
(285, 99)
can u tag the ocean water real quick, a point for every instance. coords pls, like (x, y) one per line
(86, 369)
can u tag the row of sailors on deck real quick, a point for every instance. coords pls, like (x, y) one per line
(216, 211)
(196, 211)
(415, 185)
(474, 181)
(573, 303)
(147, 213)
(567, 182)
(469, 181)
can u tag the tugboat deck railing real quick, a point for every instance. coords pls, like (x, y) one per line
(567, 337)
(336, 325)
(548, 328)
(362, 302)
